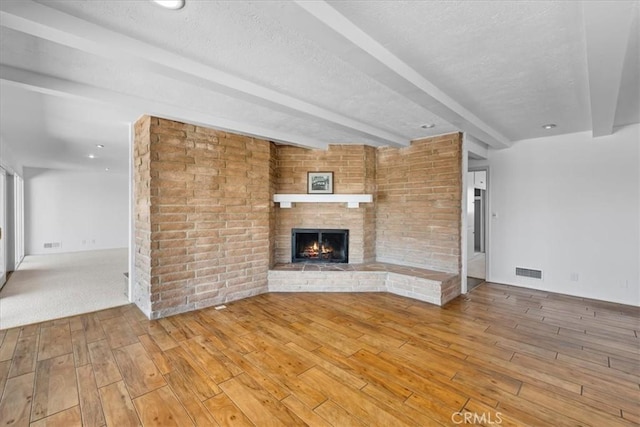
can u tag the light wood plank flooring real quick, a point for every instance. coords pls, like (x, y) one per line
(500, 355)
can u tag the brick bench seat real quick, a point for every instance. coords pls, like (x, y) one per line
(431, 286)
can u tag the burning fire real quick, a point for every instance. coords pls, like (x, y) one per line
(317, 251)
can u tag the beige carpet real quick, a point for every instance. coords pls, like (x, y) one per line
(47, 287)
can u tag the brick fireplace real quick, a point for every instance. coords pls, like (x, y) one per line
(353, 169)
(208, 231)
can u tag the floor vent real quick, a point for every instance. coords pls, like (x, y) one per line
(527, 272)
(52, 245)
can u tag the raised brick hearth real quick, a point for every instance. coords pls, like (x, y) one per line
(207, 230)
(425, 285)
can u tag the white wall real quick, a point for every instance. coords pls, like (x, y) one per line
(7, 159)
(568, 205)
(81, 210)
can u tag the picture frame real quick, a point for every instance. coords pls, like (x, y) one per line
(320, 182)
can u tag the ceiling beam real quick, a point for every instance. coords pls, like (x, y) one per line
(377, 61)
(607, 27)
(64, 88)
(45, 22)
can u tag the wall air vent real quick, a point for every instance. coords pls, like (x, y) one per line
(527, 272)
(52, 245)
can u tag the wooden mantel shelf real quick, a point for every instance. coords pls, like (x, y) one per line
(352, 200)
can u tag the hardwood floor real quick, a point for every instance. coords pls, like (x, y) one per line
(497, 356)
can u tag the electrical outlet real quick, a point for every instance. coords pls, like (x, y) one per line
(574, 277)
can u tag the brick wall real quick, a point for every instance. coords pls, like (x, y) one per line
(353, 167)
(273, 165)
(418, 204)
(141, 290)
(209, 214)
(369, 223)
(207, 230)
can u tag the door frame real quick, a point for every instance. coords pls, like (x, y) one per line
(486, 216)
(3, 227)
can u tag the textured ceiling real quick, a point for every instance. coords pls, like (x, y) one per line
(75, 73)
(501, 58)
(56, 132)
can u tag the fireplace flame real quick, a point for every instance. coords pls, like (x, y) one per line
(315, 251)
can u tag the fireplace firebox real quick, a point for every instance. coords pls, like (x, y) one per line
(319, 245)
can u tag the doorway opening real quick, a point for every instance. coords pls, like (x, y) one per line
(477, 179)
(73, 225)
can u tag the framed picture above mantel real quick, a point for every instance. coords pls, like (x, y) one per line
(320, 182)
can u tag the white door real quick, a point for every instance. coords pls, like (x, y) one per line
(3, 227)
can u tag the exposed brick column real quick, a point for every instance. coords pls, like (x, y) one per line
(141, 292)
(203, 208)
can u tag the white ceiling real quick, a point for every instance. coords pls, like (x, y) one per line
(73, 74)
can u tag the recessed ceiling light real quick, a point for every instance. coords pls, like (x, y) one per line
(92, 156)
(170, 4)
(549, 126)
(106, 169)
(100, 146)
(428, 126)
